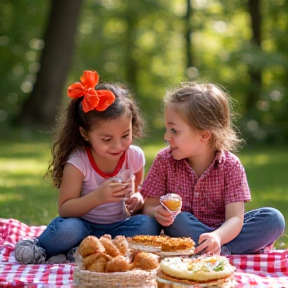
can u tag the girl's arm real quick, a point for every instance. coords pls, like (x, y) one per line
(139, 177)
(212, 242)
(70, 204)
(135, 202)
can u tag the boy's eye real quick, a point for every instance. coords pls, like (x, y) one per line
(125, 136)
(173, 130)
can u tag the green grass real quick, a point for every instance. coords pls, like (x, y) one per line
(26, 196)
(266, 169)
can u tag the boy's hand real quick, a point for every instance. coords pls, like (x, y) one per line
(210, 244)
(163, 216)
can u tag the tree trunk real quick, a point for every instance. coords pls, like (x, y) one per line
(255, 73)
(188, 33)
(40, 108)
(130, 61)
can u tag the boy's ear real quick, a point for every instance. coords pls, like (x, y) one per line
(83, 133)
(205, 135)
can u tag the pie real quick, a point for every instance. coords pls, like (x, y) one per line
(162, 244)
(204, 269)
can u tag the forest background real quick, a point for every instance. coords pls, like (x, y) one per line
(150, 46)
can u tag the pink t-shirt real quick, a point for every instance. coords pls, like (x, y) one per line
(112, 212)
(205, 197)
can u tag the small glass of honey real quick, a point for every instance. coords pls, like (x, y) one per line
(171, 202)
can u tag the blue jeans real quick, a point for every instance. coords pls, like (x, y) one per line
(62, 234)
(260, 229)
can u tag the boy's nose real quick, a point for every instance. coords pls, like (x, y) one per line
(166, 137)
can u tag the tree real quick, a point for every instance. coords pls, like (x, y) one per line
(254, 71)
(145, 44)
(188, 32)
(40, 108)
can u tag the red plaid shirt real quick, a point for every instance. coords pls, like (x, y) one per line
(205, 197)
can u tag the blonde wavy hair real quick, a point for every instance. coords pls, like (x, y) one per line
(206, 106)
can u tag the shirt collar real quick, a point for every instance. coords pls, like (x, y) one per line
(220, 156)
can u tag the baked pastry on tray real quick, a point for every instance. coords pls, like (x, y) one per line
(105, 254)
(162, 245)
(105, 262)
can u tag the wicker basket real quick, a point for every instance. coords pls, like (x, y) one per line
(134, 278)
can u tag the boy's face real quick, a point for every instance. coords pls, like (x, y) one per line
(184, 141)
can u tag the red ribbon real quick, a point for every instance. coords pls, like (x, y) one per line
(93, 99)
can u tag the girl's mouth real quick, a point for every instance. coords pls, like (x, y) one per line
(116, 154)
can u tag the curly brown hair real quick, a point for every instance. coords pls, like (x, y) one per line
(68, 138)
(206, 106)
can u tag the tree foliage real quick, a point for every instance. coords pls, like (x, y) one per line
(152, 45)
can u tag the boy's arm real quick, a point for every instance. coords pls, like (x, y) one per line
(149, 206)
(233, 222)
(212, 242)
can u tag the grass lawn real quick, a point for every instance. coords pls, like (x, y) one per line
(26, 196)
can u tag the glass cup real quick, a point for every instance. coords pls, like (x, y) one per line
(125, 176)
(172, 202)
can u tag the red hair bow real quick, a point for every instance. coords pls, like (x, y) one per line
(93, 99)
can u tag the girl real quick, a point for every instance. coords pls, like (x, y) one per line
(199, 167)
(97, 170)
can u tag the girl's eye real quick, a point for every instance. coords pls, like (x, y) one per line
(173, 130)
(106, 140)
(125, 136)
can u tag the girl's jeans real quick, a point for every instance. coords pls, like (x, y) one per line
(261, 228)
(62, 234)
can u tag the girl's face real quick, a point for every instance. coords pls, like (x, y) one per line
(111, 138)
(184, 141)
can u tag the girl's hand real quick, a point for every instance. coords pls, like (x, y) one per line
(163, 216)
(210, 244)
(111, 192)
(135, 202)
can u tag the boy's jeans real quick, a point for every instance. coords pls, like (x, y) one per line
(261, 228)
(62, 234)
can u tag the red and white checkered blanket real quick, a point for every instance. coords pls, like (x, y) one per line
(257, 271)
(13, 274)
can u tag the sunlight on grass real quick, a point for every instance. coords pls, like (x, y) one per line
(150, 152)
(10, 197)
(12, 183)
(22, 166)
(256, 160)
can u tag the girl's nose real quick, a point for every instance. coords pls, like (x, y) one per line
(117, 145)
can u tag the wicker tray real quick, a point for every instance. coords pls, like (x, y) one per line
(133, 278)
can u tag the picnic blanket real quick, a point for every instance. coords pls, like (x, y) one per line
(269, 270)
